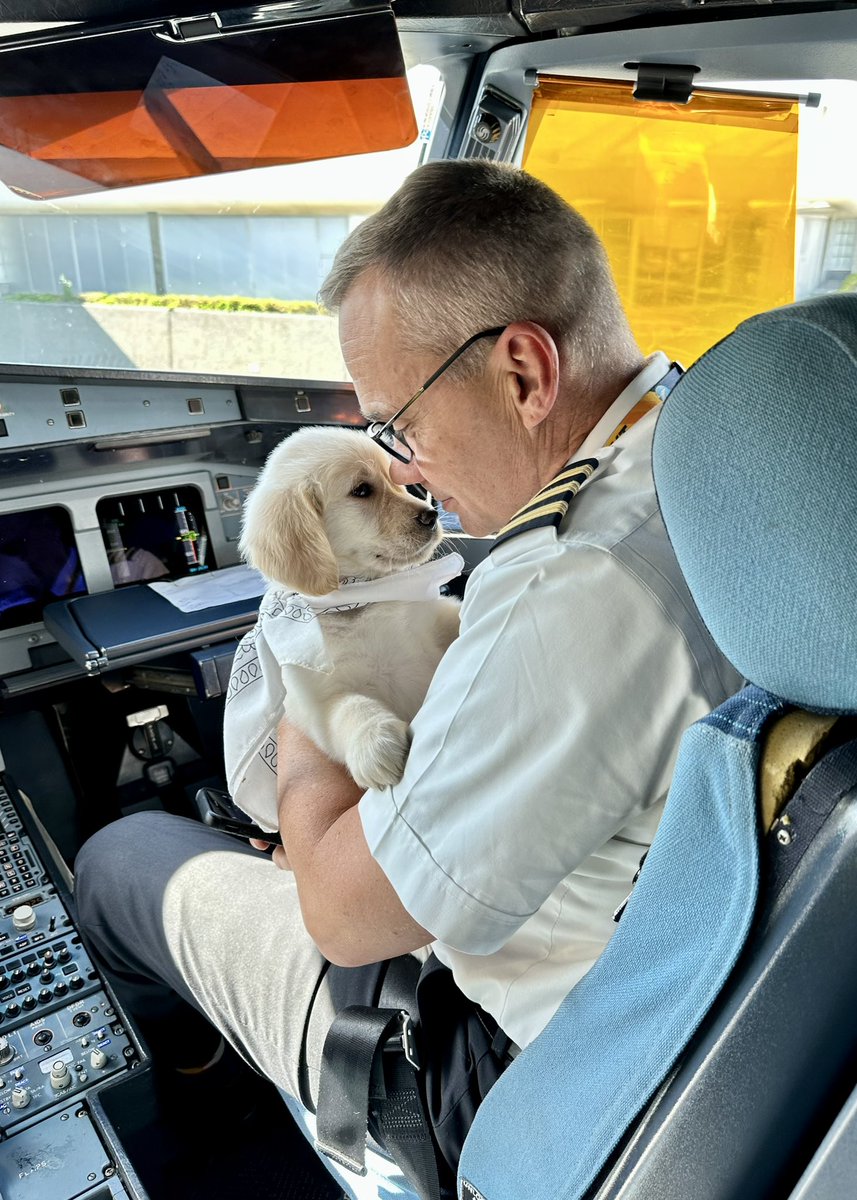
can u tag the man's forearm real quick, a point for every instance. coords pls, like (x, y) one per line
(348, 904)
(313, 793)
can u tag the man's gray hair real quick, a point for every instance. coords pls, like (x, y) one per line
(464, 246)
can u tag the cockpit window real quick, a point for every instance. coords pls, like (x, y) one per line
(216, 274)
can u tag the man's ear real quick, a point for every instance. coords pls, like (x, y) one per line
(531, 361)
(284, 537)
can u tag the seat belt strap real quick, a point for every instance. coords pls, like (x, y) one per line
(368, 1063)
(403, 1126)
(350, 1050)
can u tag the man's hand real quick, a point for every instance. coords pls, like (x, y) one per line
(348, 904)
(279, 858)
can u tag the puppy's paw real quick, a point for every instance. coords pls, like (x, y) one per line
(377, 759)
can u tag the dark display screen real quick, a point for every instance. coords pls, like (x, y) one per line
(155, 535)
(39, 563)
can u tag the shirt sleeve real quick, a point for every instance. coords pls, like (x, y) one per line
(553, 717)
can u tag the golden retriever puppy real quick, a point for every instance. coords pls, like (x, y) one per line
(355, 623)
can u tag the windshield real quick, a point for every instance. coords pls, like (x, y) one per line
(220, 274)
(217, 274)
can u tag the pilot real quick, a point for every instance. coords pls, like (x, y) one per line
(542, 756)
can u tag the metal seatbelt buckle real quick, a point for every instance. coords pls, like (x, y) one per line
(404, 1039)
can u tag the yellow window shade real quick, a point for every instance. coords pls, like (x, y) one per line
(695, 203)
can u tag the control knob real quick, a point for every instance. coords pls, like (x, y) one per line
(97, 1059)
(7, 1052)
(23, 917)
(60, 1076)
(20, 1097)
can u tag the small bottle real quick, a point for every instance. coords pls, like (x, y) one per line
(187, 534)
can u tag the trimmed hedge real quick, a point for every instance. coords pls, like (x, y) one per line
(148, 300)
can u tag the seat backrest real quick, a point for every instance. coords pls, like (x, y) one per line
(754, 462)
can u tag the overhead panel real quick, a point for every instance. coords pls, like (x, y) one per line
(695, 202)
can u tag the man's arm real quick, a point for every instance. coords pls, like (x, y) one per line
(348, 904)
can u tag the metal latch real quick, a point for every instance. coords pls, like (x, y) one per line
(403, 1039)
(191, 29)
(671, 83)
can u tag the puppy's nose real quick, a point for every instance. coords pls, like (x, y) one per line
(427, 517)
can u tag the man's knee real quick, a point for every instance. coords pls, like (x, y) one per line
(106, 860)
(118, 863)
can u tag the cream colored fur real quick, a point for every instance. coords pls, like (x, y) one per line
(324, 508)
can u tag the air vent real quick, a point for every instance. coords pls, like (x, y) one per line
(494, 128)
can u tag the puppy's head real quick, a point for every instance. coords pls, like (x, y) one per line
(324, 507)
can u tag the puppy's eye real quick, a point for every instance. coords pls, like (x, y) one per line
(362, 490)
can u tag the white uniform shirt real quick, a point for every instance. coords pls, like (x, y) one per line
(542, 755)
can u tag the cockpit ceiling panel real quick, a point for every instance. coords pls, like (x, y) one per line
(535, 15)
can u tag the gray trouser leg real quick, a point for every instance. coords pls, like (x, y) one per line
(163, 900)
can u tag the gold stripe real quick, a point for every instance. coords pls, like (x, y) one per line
(557, 488)
(561, 507)
(568, 482)
(569, 487)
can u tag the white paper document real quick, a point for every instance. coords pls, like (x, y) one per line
(197, 592)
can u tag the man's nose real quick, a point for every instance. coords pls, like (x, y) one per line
(405, 473)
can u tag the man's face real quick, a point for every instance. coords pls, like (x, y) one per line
(462, 439)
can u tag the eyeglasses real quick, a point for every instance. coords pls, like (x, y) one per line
(391, 439)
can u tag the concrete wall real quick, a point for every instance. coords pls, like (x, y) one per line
(115, 336)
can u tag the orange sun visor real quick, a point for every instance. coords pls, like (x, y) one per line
(117, 109)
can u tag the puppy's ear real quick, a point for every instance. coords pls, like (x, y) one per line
(283, 537)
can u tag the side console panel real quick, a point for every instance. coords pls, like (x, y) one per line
(61, 1034)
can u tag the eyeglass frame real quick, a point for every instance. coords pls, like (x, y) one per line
(377, 429)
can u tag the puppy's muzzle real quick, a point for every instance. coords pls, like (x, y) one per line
(427, 517)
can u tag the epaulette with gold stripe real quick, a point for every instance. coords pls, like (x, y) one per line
(549, 506)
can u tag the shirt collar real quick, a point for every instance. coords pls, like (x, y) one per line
(657, 366)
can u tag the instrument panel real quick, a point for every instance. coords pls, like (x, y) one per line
(62, 1035)
(110, 482)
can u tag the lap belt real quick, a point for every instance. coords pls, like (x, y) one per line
(370, 1070)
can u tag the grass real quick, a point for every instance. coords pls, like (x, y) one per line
(263, 304)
